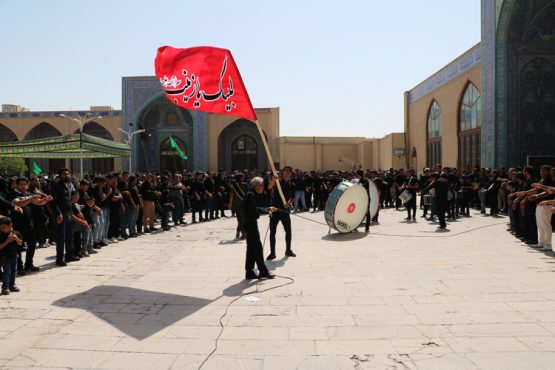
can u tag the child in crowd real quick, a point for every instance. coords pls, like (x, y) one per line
(10, 242)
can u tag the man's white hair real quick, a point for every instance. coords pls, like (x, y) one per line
(257, 180)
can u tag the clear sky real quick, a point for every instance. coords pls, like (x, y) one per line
(335, 68)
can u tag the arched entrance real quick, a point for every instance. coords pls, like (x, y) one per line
(524, 81)
(244, 153)
(240, 147)
(94, 166)
(6, 134)
(161, 119)
(169, 159)
(41, 131)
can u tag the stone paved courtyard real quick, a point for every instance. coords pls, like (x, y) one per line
(403, 297)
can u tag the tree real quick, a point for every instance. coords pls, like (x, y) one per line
(12, 166)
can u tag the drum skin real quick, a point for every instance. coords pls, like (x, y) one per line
(374, 199)
(346, 207)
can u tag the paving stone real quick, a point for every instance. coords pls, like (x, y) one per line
(401, 297)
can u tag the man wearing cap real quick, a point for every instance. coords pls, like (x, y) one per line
(251, 213)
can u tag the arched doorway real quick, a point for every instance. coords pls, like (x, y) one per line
(94, 166)
(525, 81)
(240, 147)
(169, 159)
(244, 153)
(160, 118)
(41, 131)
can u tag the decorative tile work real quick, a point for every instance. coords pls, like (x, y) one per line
(200, 143)
(138, 94)
(488, 80)
(459, 66)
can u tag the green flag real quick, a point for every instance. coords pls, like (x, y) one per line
(36, 169)
(174, 146)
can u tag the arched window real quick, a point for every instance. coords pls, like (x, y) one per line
(434, 135)
(6, 134)
(470, 123)
(41, 131)
(169, 159)
(244, 153)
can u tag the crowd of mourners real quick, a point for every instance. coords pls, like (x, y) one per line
(81, 217)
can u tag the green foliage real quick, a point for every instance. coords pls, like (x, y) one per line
(12, 166)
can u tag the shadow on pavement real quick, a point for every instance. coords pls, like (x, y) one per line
(122, 307)
(338, 237)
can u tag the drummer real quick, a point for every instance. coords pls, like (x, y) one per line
(412, 187)
(365, 183)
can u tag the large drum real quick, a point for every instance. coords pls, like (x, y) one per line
(346, 207)
(374, 199)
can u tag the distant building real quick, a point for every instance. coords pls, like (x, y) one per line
(13, 108)
(210, 141)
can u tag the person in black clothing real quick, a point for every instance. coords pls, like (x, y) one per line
(100, 201)
(10, 242)
(39, 213)
(423, 183)
(412, 187)
(398, 183)
(165, 202)
(61, 208)
(251, 213)
(23, 222)
(318, 188)
(150, 196)
(518, 201)
(197, 194)
(440, 185)
(282, 215)
(135, 204)
(529, 197)
(209, 201)
(123, 187)
(88, 215)
(379, 185)
(221, 189)
(492, 193)
(239, 189)
(365, 182)
(116, 209)
(6, 206)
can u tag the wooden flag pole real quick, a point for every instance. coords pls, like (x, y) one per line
(269, 154)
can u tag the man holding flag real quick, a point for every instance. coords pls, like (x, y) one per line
(207, 79)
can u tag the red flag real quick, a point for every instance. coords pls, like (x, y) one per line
(203, 78)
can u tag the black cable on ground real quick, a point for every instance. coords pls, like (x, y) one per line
(291, 281)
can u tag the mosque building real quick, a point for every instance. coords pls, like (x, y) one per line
(493, 106)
